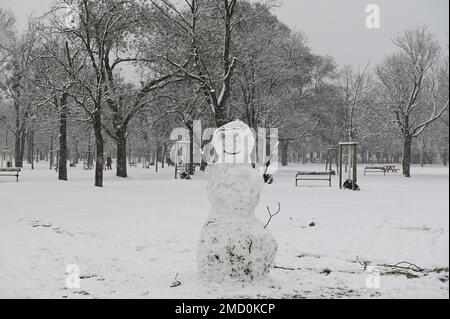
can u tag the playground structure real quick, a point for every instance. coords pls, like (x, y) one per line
(6, 160)
(352, 161)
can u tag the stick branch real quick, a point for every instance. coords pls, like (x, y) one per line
(272, 215)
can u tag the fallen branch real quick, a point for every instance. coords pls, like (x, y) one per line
(176, 283)
(364, 264)
(272, 215)
(285, 268)
(404, 265)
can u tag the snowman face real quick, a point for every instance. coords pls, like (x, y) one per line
(233, 143)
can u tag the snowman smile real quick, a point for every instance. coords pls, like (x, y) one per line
(233, 154)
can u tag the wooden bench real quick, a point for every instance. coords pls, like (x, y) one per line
(132, 164)
(391, 169)
(10, 172)
(374, 169)
(381, 169)
(314, 176)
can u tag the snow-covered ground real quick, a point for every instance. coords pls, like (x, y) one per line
(131, 238)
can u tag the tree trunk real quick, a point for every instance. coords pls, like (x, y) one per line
(18, 159)
(121, 146)
(163, 160)
(284, 153)
(221, 117)
(89, 156)
(22, 147)
(156, 157)
(422, 155)
(51, 152)
(407, 156)
(191, 165)
(74, 158)
(29, 148)
(99, 150)
(62, 163)
(445, 157)
(32, 149)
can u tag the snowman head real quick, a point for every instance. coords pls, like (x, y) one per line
(234, 143)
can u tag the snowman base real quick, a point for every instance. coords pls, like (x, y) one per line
(237, 249)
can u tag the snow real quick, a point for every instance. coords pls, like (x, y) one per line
(131, 238)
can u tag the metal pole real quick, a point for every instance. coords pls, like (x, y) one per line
(355, 165)
(340, 166)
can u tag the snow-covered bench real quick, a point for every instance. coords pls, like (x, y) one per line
(10, 172)
(132, 164)
(375, 169)
(314, 176)
(381, 169)
(391, 169)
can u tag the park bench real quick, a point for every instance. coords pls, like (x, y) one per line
(132, 164)
(10, 172)
(314, 176)
(374, 169)
(391, 169)
(381, 169)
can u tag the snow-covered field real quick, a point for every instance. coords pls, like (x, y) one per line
(131, 238)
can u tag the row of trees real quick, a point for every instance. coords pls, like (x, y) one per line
(120, 66)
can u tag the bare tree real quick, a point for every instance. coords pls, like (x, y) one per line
(54, 85)
(214, 75)
(16, 61)
(355, 89)
(404, 77)
(92, 48)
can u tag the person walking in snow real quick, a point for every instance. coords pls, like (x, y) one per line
(109, 163)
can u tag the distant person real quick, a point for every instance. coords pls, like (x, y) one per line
(109, 163)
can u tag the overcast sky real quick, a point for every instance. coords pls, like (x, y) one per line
(334, 27)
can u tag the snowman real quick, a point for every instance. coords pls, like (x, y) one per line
(234, 245)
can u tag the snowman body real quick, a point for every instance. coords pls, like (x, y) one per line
(234, 244)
